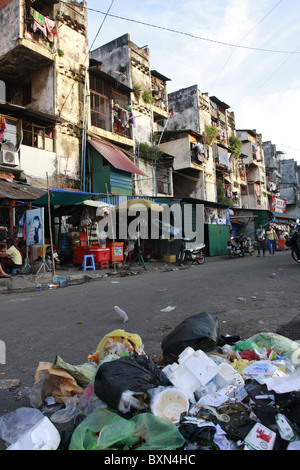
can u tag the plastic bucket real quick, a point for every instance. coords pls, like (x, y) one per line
(169, 404)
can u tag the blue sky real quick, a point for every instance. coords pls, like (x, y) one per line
(259, 79)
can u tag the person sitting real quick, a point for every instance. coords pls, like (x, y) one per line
(2, 254)
(11, 258)
(129, 248)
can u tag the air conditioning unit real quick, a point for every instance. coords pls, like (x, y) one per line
(8, 156)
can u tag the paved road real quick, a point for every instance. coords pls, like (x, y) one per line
(248, 295)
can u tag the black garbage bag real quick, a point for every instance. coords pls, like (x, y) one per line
(136, 373)
(203, 436)
(199, 331)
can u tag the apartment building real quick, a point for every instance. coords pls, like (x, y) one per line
(253, 171)
(205, 164)
(133, 112)
(43, 63)
(290, 186)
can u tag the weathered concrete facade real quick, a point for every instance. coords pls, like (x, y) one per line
(254, 193)
(290, 186)
(196, 111)
(43, 58)
(129, 66)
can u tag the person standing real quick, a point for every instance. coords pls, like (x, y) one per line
(272, 237)
(261, 239)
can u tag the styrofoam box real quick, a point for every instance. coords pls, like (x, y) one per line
(42, 436)
(193, 370)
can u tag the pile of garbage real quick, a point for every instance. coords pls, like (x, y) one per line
(205, 392)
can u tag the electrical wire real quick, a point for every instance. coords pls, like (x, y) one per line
(242, 103)
(106, 15)
(183, 33)
(242, 39)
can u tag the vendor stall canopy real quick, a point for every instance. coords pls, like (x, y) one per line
(61, 197)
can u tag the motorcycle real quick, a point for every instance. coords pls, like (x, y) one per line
(235, 248)
(293, 243)
(247, 245)
(195, 253)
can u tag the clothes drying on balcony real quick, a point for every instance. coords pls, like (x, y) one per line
(123, 118)
(44, 24)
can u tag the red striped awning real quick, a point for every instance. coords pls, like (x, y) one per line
(116, 157)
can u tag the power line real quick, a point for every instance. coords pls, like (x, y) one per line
(186, 34)
(244, 100)
(106, 15)
(242, 39)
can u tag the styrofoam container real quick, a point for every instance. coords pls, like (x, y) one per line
(42, 436)
(227, 375)
(169, 404)
(193, 370)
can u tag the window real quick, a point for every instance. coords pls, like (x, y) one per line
(100, 103)
(108, 107)
(162, 178)
(11, 130)
(41, 137)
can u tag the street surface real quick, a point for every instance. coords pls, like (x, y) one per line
(248, 295)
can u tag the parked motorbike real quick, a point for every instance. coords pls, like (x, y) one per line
(194, 253)
(235, 248)
(293, 243)
(247, 245)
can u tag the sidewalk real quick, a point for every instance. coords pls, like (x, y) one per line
(75, 276)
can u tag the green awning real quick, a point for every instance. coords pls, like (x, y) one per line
(60, 197)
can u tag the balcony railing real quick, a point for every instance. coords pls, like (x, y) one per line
(107, 118)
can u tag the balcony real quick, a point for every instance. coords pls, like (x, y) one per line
(106, 123)
(186, 148)
(33, 48)
(160, 96)
(111, 116)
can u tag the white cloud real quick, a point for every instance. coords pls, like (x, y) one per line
(275, 115)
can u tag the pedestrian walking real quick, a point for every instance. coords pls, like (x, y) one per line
(261, 239)
(272, 238)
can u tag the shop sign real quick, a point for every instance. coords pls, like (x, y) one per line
(278, 205)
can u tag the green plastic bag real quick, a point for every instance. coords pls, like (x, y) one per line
(245, 345)
(285, 347)
(105, 430)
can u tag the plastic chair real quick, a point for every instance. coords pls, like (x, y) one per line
(104, 265)
(15, 271)
(85, 265)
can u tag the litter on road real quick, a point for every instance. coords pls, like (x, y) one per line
(205, 392)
